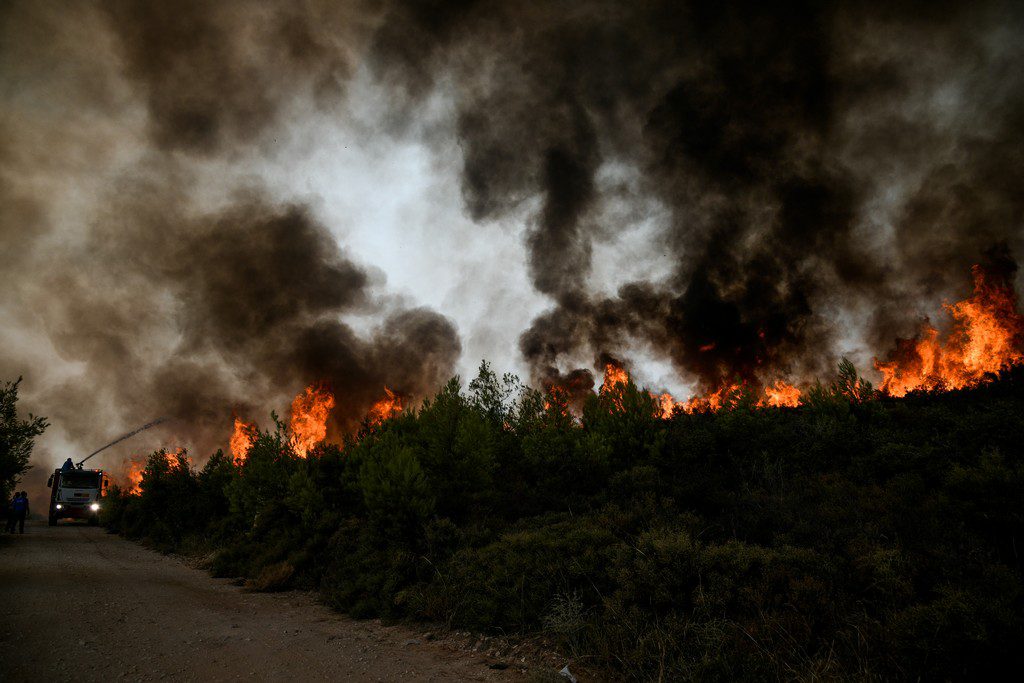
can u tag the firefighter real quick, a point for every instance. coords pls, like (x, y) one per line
(19, 511)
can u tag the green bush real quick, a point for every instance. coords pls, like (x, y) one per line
(856, 536)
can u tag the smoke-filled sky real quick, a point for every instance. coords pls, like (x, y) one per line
(204, 207)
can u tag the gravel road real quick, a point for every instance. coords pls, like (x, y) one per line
(81, 604)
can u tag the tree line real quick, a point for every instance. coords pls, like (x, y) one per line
(849, 537)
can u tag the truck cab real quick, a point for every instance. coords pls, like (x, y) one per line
(76, 493)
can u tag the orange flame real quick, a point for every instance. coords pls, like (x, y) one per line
(614, 376)
(558, 400)
(780, 395)
(986, 337)
(666, 405)
(713, 401)
(133, 469)
(241, 440)
(309, 418)
(615, 380)
(180, 454)
(385, 408)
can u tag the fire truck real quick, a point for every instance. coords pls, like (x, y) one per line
(76, 493)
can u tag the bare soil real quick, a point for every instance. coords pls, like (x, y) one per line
(84, 605)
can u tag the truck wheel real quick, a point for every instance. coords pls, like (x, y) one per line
(94, 521)
(53, 521)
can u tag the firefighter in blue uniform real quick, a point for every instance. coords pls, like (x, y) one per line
(18, 512)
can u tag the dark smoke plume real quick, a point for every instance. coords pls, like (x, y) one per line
(769, 130)
(256, 296)
(181, 296)
(218, 75)
(823, 172)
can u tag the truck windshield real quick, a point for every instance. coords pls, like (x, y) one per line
(80, 480)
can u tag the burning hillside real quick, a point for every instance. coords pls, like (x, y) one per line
(986, 335)
(311, 412)
(692, 210)
(702, 185)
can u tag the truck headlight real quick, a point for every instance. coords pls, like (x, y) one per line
(94, 507)
(59, 506)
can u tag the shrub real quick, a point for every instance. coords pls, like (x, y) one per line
(852, 537)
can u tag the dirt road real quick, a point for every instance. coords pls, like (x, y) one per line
(78, 603)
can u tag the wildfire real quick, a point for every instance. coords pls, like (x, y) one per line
(558, 399)
(666, 405)
(780, 395)
(713, 401)
(309, 418)
(987, 336)
(385, 408)
(133, 469)
(241, 440)
(614, 377)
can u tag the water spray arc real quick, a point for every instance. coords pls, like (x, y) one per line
(122, 438)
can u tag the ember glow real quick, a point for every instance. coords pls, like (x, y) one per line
(986, 336)
(241, 439)
(385, 408)
(308, 426)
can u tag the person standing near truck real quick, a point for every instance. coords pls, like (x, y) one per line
(19, 510)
